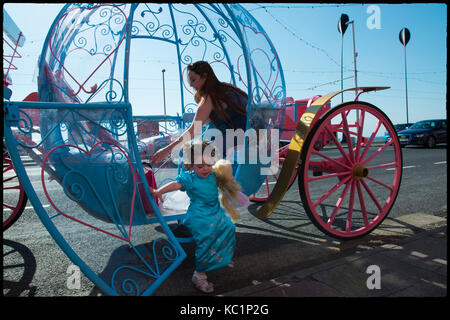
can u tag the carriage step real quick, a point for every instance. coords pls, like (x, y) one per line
(167, 216)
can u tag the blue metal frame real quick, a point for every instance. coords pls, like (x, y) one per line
(12, 119)
(226, 25)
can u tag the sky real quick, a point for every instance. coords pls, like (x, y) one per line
(309, 47)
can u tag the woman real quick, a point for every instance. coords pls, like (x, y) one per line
(220, 104)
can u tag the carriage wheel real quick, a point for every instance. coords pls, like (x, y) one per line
(266, 188)
(13, 203)
(348, 190)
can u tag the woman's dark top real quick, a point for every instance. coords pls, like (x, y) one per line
(238, 120)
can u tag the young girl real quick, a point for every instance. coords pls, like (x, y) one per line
(212, 230)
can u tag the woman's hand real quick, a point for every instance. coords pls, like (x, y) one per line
(160, 155)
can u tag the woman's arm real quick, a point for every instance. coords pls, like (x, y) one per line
(201, 117)
(169, 187)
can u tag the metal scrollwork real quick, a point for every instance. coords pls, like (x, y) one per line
(147, 22)
(132, 279)
(97, 31)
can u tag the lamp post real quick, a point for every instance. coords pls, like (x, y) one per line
(164, 97)
(404, 37)
(164, 90)
(342, 26)
(355, 54)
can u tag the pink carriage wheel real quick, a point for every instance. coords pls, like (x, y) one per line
(266, 188)
(347, 189)
(14, 204)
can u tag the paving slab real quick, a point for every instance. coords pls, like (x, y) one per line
(411, 261)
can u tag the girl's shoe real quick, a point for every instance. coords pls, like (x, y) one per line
(200, 282)
(231, 264)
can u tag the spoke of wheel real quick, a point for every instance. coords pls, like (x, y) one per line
(9, 167)
(331, 191)
(9, 252)
(359, 139)
(350, 207)
(338, 204)
(349, 140)
(330, 159)
(338, 144)
(9, 179)
(355, 133)
(380, 183)
(361, 201)
(375, 154)
(13, 187)
(346, 115)
(332, 175)
(9, 206)
(371, 195)
(369, 143)
(391, 164)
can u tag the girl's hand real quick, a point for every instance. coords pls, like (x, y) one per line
(159, 155)
(156, 193)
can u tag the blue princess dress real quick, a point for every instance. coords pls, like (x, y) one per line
(212, 230)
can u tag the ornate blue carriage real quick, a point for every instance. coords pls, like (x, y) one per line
(81, 131)
(89, 144)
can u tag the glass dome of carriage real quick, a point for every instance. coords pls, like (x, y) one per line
(225, 35)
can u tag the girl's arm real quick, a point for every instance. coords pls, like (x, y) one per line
(200, 118)
(171, 186)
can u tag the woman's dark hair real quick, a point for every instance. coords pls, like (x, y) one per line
(217, 91)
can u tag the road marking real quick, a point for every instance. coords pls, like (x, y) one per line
(27, 207)
(44, 206)
(36, 188)
(405, 167)
(441, 162)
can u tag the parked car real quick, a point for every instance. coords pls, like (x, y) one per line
(427, 133)
(397, 127)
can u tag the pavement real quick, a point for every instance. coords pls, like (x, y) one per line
(414, 265)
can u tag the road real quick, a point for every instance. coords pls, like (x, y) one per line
(34, 265)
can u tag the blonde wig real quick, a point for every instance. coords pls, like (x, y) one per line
(229, 187)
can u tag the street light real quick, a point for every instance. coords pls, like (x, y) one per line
(342, 26)
(164, 97)
(404, 37)
(164, 91)
(355, 54)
